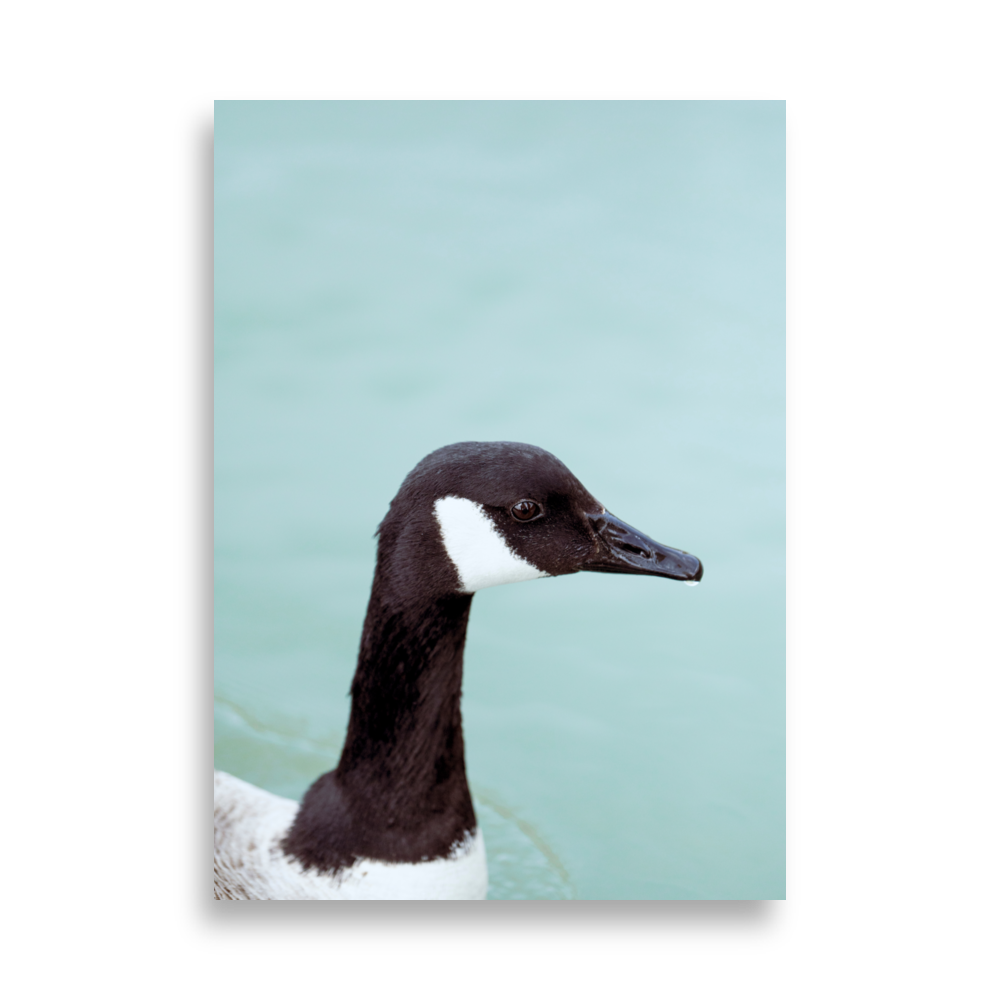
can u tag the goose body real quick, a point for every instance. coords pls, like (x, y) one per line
(250, 824)
(395, 819)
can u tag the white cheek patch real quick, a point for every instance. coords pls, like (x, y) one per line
(479, 552)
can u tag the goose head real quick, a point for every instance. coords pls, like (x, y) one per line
(478, 514)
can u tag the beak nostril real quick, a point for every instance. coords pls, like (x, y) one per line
(634, 548)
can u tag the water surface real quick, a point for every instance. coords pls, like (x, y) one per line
(605, 280)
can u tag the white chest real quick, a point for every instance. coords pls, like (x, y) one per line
(249, 864)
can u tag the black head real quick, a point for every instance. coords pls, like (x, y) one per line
(504, 512)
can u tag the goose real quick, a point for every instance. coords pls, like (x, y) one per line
(395, 819)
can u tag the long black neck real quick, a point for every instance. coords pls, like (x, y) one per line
(399, 792)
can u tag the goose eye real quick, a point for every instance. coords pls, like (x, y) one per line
(525, 510)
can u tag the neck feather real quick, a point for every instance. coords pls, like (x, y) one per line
(399, 792)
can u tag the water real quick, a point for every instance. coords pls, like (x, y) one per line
(605, 280)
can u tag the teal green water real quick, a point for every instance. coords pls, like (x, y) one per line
(605, 280)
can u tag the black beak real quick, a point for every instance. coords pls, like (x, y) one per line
(622, 549)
